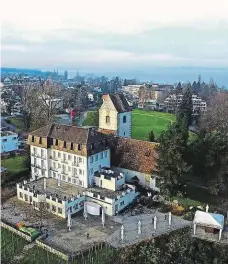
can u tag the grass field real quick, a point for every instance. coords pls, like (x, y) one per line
(145, 121)
(14, 164)
(142, 122)
(92, 119)
(11, 245)
(16, 168)
(17, 122)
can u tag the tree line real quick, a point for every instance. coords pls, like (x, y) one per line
(203, 155)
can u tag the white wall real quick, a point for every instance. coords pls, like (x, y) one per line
(41, 161)
(124, 129)
(129, 174)
(97, 164)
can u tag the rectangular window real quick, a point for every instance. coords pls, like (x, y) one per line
(71, 146)
(53, 208)
(106, 154)
(64, 144)
(69, 168)
(75, 171)
(75, 206)
(69, 179)
(60, 211)
(42, 153)
(4, 140)
(69, 157)
(21, 195)
(80, 160)
(59, 165)
(54, 165)
(54, 175)
(14, 138)
(42, 163)
(107, 119)
(91, 159)
(92, 146)
(79, 147)
(56, 142)
(101, 155)
(33, 139)
(40, 140)
(63, 178)
(48, 206)
(64, 156)
(59, 154)
(122, 203)
(96, 157)
(80, 171)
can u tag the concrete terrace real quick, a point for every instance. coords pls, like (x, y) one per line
(131, 235)
(76, 241)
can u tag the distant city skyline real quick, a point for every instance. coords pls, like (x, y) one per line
(114, 36)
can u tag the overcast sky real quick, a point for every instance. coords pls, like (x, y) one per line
(114, 34)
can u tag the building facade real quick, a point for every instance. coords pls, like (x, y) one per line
(9, 141)
(115, 115)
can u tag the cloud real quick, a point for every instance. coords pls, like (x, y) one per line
(114, 33)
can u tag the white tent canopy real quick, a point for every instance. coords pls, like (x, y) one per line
(209, 219)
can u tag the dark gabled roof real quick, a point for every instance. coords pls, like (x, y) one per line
(74, 134)
(120, 103)
(136, 155)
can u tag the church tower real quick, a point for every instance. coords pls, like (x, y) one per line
(115, 115)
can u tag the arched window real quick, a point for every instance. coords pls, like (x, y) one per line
(124, 119)
(107, 119)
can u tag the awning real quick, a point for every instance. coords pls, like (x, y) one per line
(209, 219)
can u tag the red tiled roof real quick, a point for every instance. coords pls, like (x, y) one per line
(136, 155)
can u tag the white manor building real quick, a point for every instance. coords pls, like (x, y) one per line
(72, 165)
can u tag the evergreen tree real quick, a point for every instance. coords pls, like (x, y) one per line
(178, 88)
(151, 136)
(185, 109)
(171, 162)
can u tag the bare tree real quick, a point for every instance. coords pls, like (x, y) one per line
(216, 117)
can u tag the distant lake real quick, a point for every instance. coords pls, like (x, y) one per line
(169, 75)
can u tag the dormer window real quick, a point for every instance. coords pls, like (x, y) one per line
(40, 140)
(107, 119)
(33, 139)
(71, 146)
(124, 119)
(64, 144)
(56, 142)
(79, 147)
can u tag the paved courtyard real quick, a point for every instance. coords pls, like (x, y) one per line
(76, 241)
(130, 224)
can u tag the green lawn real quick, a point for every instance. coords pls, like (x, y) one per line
(142, 122)
(16, 168)
(14, 164)
(92, 119)
(11, 245)
(18, 122)
(145, 121)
